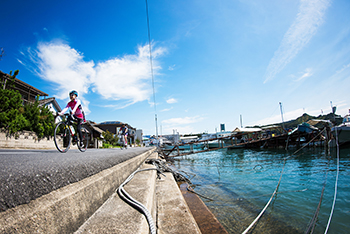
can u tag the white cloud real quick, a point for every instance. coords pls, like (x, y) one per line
(64, 66)
(168, 109)
(171, 101)
(182, 121)
(182, 125)
(309, 18)
(171, 68)
(306, 74)
(126, 78)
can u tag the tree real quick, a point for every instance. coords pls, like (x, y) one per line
(11, 111)
(2, 53)
(40, 119)
(109, 138)
(9, 81)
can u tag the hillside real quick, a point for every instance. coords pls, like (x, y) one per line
(291, 124)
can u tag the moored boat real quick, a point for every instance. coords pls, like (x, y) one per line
(342, 131)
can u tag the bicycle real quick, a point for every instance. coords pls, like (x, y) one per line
(63, 135)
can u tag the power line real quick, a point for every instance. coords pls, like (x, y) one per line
(151, 62)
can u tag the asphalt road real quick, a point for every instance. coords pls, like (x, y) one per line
(28, 174)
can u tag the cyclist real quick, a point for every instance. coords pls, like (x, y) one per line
(124, 132)
(77, 112)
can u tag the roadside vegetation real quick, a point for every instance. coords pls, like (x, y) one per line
(110, 140)
(16, 116)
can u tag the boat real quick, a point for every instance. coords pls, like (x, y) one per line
(185, 143)
(342, 131)
(194, 146)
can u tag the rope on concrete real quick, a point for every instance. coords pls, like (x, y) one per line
(136, 204)
(161, 166)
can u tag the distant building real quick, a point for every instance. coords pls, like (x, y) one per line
(95, 134)
(28, 92)
(139, 135)
(114, 126)
(50, 103)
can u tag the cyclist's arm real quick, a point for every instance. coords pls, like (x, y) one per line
(64, 110)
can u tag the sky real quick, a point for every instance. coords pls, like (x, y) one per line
(213, 62)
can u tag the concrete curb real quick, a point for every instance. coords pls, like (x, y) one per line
(174, 215)
(116, 216)
(66, 209)
(162, 198)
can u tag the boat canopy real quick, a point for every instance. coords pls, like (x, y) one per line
(188, 138)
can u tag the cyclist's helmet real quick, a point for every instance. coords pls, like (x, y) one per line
(73, 92)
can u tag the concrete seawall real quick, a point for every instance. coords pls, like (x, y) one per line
(92, 205)
(66, 209)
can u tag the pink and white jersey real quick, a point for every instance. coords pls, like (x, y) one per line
(77, 109)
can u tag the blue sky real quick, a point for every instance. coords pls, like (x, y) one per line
(212, 60)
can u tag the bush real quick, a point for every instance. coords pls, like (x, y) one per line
(11, 111)
(41, 120)
(15, 117)
(110, 138)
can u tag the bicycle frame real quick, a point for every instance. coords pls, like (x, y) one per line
(71, 133)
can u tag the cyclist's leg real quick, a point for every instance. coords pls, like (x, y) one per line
(126, 140)
(79, 121)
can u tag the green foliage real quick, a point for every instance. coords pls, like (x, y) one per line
(137, 141)
(110, 138)
(15, 117)
(11, 111)
(41, 120)
(9, 82)
(2, 53)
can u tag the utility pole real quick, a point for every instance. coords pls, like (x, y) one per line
(241, 121)
(282, 115)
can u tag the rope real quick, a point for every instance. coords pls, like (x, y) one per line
(312, 222)
(268, 203)
(161, 166)
(336, 183)
(129, 199)
(279, 182)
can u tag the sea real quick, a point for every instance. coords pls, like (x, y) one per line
(313, 194)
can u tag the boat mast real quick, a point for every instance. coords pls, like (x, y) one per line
(282, 114)
(241, 121)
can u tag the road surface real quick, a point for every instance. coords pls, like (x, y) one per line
(28, 174)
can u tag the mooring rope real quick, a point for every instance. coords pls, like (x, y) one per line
(133, 202)
(313, 221)
(161, 166)
(279, 182)
(336, 182)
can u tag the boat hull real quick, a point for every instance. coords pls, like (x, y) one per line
(343, 134)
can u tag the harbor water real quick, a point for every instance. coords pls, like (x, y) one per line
(240, 183)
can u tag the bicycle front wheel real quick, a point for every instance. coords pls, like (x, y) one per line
(84, 142)
(62, 137)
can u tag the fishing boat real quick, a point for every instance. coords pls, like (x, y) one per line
(342, 131)
(185, 143)
(195, 146)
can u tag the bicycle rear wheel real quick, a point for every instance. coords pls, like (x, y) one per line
(62, 137)
(84, 140)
